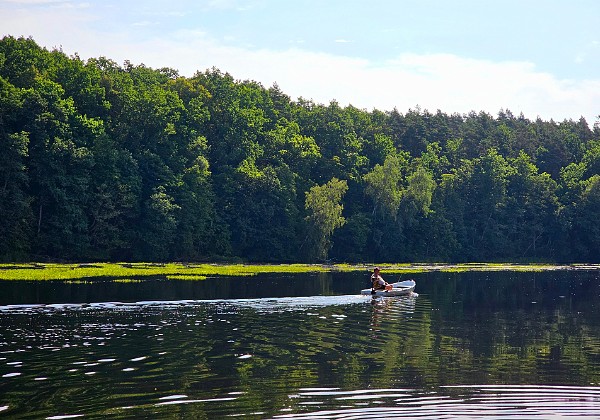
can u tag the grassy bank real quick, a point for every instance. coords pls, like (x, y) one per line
(38, 271)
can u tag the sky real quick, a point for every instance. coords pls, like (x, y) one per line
(536, 57)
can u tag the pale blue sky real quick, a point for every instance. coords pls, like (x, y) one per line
(541, 58)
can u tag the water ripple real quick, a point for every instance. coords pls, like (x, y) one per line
(465, 402)
(344, 357)
(260, 304)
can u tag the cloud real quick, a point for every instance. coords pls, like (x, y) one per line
(144, 23)
(33, 2)
(46, 4)
(433, 81)
(238, 5)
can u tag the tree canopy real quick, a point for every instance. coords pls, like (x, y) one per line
(100, 161)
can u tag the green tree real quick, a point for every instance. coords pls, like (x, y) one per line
(449, 205)
(15, 212)
(352, 241)
(114, 207)
(22, 61)
(260, 209)
(323, 204)
(585, 225)
(158, 227)
(383, 185)
(102, 161)
(531, 210)
(237, 118)
(59, 163)
(335, 132)
(414, 216)
(485, 194)
(419, 191)
(434, 160)
(285, 145)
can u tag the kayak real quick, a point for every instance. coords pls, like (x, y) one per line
(400, 288)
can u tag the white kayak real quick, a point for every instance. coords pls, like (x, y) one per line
(400, 288)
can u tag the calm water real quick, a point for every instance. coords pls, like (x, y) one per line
(470, 345)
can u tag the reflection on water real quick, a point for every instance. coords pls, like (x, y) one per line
(470, 346)
(473, 402)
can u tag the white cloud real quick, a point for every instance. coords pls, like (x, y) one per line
(433, 81)
(144, 23)
(238, 5)
(30, 2)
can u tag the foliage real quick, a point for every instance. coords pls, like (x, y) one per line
(383, 185)
(105, 162)
(323, 202)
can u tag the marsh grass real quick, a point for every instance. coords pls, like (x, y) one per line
(127, 281)
(70, 272)
(185, 277)
(133, 272)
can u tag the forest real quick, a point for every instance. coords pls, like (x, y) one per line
(108, 162)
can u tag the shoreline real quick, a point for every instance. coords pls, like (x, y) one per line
(201, 271)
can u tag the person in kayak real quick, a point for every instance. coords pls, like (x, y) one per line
(378, 283)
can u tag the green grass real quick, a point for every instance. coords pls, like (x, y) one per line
(136, 271)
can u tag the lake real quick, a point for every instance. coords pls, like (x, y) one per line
(470, 345)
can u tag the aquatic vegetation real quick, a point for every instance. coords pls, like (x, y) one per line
(186, 277)
(78, 281)
(201, 271)
(37, 271)
(127, 281)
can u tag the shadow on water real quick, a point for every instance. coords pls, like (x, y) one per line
(470, 345)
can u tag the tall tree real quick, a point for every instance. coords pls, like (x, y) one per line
(531, 210)
(323, 204)
(585, 223)
(384, 185)
(60, 164)
(415, 209)
(15, 213)
(486, 198)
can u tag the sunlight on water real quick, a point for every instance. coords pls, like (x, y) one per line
(265, 304)
(323, 356)
(465, 402)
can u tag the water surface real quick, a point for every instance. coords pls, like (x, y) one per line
(470, 345)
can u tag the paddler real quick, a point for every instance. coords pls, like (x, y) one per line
(378, 283)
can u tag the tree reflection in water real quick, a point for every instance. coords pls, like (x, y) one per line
(311, 344)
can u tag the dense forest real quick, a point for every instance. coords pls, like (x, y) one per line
(100, 161)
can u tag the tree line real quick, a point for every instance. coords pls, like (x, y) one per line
(100, 161)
